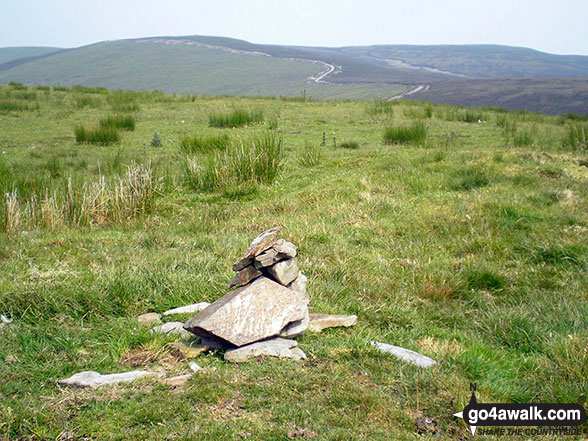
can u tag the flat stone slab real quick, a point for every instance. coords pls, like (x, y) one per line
(149, 318)
(177, 381)
(172, 328)
(281, 250)
(283, 272)
(95, 379)
(251, 313)
(244, 276)
(275, 347)
(318, 322)
(188, 309)
(405, 354)
(258, 246)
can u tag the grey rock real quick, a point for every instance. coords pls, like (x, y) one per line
(258, 246)
(405, 354)
(251, 313)
(284, 272)
(188, 309)
(149, 318)
(172, 328)
(279, 251)
(195, 367)
(318, 322)
(275, 347)
(299, 284)
(285, 248)
(95, 379)
(244, 276)
(177, 381)
(296, 328)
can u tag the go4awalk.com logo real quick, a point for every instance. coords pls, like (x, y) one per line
(560, 418)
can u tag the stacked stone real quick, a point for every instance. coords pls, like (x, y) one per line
(268, 306)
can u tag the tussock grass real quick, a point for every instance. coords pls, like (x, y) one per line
(93, 102)
(204, 144)
(236, 118)
(122, 122)
(16, 106)
(256, 160)
(349, 145)
(81, 204)
(576, 137)
(96, 135)
(416, 134)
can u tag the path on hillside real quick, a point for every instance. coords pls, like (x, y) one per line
(410, 92)
(318, 78)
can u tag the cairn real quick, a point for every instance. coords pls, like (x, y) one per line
(267, 307)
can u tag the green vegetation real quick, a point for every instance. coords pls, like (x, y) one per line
(96, 135)
(204, 144)
(122, 122)
(462, 246)
(349, 145)
(416, 133)
(236, 118)
(576, 137)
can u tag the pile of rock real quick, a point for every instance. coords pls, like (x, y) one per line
(268, 307)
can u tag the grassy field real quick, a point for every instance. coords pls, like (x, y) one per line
(467, 245)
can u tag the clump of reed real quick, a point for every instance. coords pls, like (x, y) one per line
(82, 204)
(236, 118)
(204, 144)
(415, 133)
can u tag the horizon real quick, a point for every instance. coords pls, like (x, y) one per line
(67, 24)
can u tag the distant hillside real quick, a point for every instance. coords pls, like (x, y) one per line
(551, 96)
(478, 61)
(219, 65)
(14, 53)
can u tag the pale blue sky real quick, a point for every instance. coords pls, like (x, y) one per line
(556, 26)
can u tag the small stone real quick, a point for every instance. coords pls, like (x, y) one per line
(149, 318)
(4, 321)
(188, 309)
(194, 366)
(172, 328)
(405, 354)
(296, 328)
(267, 258)
(318, 322)
(284, 272)
(244, 276)
(251, 313)
(10, 359)
(184, 350)
(301, 432)
(299, 284)
(274, 347)
(285, 248)
(95, 379)
(258, 246)
(178, 381)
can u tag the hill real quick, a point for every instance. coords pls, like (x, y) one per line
(219, 65)
(26, 52)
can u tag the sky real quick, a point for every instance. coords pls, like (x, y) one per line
(555, 26)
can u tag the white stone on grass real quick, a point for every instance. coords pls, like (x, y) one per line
(172, 328)
(405, 354)
(318, 322)
(95, 379)
(188, 309)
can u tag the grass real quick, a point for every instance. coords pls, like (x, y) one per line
(415, 133)
(120, 122)
(576, 137)
(236, 118)
(204, 144)
(349, 145)
(96, 135)
(464, 249)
